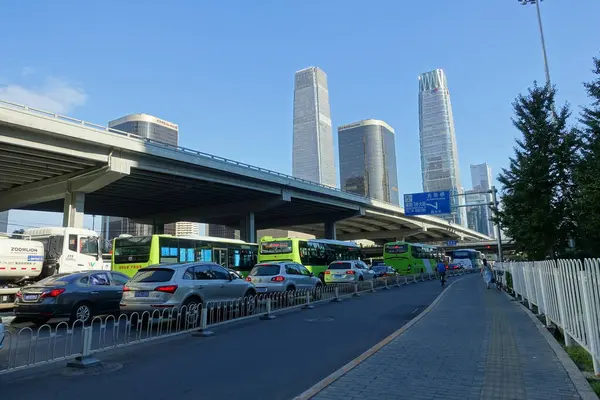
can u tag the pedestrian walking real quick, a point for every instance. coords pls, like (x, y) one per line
(486, 272)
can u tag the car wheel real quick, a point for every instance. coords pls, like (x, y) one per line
(322, 278)
(190, 313)
(82, 312)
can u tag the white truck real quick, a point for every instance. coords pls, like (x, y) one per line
(42, 252)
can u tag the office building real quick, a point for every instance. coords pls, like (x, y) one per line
(185, 228)
(439, 153)
(368, 160)
(148, 127)
(223, 231)
(312, 155)
(477, 211)
(4, 222)
(481, 179)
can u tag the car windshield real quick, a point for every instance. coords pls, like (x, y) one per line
(377, 263)
(153, 275)
(265, 270)
(379, 268)
(340, 265)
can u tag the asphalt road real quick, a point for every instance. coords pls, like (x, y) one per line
(270, 360)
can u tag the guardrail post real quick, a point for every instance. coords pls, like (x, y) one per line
(268, 316)
(422, 278)
(592, 331)
(386, 287)
(85, 360)
(203, 331)
(308, 306)
(397, 280)
(405, 279)
(543, 287)
(561, 306)
(414, 278)
(336, 299)
(355, 294)
(373, 285)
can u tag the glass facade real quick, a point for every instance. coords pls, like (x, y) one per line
(439, 153)
(481, 178)
(368, 160)
(312, 155)
(150, 127)
(4, 222)
(222, 231)
(478, 215)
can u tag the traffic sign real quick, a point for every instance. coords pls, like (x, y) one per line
(427, 203)
(452, 242)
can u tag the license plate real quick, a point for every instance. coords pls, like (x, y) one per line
(30, 297)
(337, 276)
(142, 294)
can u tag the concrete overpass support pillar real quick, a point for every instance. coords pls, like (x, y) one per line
(248, 228)
(73, 210)
(158, 229)
(330, 230)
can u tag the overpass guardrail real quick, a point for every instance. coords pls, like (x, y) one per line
(27, 347)
(566, 293)
(82, 123)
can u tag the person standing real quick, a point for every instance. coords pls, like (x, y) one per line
(486, 272)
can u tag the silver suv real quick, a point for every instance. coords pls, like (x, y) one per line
(282, 276)
(348, 271)
(168, 286)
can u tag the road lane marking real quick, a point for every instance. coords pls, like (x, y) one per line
(323, 384)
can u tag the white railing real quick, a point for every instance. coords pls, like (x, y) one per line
(567, 293)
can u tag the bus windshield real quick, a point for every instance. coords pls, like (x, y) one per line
(276, 247)
(132, 249)
(463, 254)
(396, 248)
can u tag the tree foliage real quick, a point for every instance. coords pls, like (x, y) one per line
(538, 188)
(587, 172)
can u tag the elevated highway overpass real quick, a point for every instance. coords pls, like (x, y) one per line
(56, 163)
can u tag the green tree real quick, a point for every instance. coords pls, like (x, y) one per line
(538, 185)
(587, 173)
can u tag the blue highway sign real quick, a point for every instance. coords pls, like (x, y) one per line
(427, 203)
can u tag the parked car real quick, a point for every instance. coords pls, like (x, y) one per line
(169, 286)
(383, 270)
(79, 296)
(282, 276)
(348, 272)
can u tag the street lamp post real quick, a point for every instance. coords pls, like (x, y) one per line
(539, 15)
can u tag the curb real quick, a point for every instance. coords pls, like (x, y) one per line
(323, 384)
(575, 375)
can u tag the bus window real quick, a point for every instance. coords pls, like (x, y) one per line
(278, 247)
(132, 250)
(169, 250)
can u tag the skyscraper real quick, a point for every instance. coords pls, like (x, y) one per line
(439, 153)
(149, 127)
(481, 178)
(312, 156)
(368, 160)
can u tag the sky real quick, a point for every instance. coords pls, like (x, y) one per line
(224, 70)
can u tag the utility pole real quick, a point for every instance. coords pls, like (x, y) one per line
(539, 18)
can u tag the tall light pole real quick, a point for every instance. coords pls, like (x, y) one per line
(539, 15)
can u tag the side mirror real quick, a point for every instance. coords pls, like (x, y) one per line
(231, 276)
(311, 274)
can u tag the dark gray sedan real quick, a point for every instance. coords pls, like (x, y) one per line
(78, 296)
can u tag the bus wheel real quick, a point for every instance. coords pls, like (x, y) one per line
(322, 278)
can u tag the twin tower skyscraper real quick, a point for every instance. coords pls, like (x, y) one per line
(367, 150)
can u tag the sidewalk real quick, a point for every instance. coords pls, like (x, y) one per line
(488, 349)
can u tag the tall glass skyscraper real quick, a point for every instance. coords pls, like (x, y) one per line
(481, 178)
(150, 127)
(439, 153)
(312, 156)
(368, 160)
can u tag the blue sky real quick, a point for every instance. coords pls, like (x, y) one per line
(223, 70)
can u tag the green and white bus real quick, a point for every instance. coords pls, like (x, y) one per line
(410, 258)
(131, 253)
(314, 254)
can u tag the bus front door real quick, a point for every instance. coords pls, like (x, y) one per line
(220, 257)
